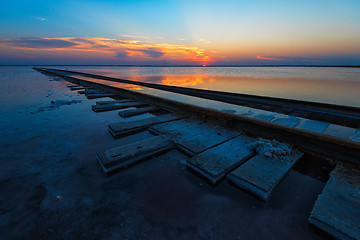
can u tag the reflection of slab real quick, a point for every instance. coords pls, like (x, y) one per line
(337, 209)
(216, 162)
(137, 111)
(114, 106)
(171, 126)
(314, 126)
(126, 128)
(121, 157)
(260, 175)
(206, 139)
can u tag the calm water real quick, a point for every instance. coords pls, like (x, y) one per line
(48, 152)
(330, 85)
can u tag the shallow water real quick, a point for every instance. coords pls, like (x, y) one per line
(329, 85)
(50, 153)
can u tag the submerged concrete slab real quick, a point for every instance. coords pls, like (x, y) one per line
(261, 174)
(337, 209)
(171, 126)
(121, 157)
(206, 139)
(134, 112)
(114, 106)
(314, 126)
(127, 128)
(218, 161)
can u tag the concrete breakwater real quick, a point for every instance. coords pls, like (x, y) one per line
(223, 144)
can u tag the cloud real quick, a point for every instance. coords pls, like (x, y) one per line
(130, 50)
(151, 52)
(121, 55)
(202, 40)
(40, 19)
(133, 36)
(38, 42)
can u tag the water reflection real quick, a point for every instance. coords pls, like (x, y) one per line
(329, 85)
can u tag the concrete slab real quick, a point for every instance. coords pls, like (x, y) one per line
(314, 126)
(114, 101)
(290, 121)
(337, 209)
(121, 157)
(265, 117)
(218, 161)
(99, 95)
(206, 139)
(340, 131)
(171, 126)
(114, 106)
(127, 128)
(261, 174)
(134, 112)
(189, 131)
(356, 136)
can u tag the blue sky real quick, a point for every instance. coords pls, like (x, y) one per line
(180, 32)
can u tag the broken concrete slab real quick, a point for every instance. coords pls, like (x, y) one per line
(337, 209)
(206, 139)
(134, 112)
(114, 106)
(127, 128)
(121, 157)
(314, 126)
(171, 126)
(262, 173)
(218, 161)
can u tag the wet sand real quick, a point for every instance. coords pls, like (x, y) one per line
(51, 186)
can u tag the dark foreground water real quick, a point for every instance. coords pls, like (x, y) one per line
(51, 186)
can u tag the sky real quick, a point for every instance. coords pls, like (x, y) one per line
(180, 32)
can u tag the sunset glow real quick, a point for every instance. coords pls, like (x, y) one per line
(180, 32)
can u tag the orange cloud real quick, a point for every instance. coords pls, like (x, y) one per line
(115, 48)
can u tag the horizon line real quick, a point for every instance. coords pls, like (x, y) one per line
(200, 65)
